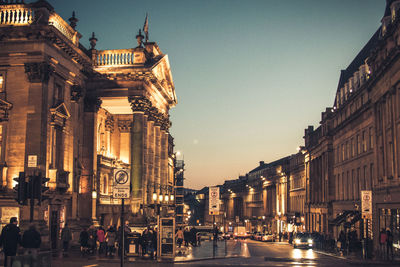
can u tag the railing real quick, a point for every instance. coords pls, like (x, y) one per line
(115, 57)
(63, 27)
(16, 15)
(23, 14)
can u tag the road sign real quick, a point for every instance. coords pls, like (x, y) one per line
(213, 201)
(366, 204)
(122, 181)
(32, 161)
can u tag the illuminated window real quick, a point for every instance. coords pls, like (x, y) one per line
(1, 82)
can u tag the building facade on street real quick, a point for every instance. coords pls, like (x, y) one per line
(78, 115)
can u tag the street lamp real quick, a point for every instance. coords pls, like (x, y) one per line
(154, 196)
(160, 197)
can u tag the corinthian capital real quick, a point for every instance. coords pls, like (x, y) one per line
(165, 123)
(139, 103)
(38, 71)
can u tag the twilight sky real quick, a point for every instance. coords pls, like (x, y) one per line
(249, 75)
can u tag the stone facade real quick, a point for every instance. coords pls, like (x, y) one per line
(84, 113)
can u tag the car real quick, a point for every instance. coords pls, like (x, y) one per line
(268, 237)
(258, 236)
(205, 236)
(303, 240)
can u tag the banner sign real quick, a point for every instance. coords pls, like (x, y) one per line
(366, 204)
(122, 184)
(213, 200)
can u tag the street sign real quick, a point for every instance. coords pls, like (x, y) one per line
(122, 181)
(32, 161)
(366, 204)
(213, 201)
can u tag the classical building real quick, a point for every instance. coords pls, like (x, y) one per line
(356, 148)
(297, 192)
(79, 115)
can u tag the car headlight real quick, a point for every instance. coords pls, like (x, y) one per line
(297, 241)
(310, 241)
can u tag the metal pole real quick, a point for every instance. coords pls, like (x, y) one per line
(215, 235)
(122, 233)
(31, 195)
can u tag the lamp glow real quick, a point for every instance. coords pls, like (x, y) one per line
(94, 194)
(160, 197)
(154, 196)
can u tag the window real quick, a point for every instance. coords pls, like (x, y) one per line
(58, 94)
(352, 147)
(371, 139)
(364, 141)
(358, 144)
(2, 82)
(1, 139)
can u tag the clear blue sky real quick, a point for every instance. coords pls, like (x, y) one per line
(250, 75)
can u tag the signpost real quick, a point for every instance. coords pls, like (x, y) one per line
(214, 201)
(213, 208)
(366, 212)
(121, 189)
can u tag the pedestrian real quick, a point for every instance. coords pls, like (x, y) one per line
(110, 238)
(84, 241)
(10, 238)
(280, 236)
(66, 237)
(179, 237)
(389, 244)
(186, 237)
(101, 238)
(92, 239)
(146, 241)
(31, 241)
(192, 236)
(382, 243)
(127, 232)
(154, 243)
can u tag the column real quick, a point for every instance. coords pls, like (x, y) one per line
(139, 105)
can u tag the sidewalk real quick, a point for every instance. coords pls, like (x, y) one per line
(356, 260)
(184, 254)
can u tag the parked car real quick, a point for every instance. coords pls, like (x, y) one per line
(205, 236)
(268, 237)
(258, 236)
(303, 240)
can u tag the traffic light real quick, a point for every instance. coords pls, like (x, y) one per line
(21, 188)
(39, 187)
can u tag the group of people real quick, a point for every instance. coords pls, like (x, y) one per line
(94, 240)
(97, 240)
(11, 238)
(188, 237)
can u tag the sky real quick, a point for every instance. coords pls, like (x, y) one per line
(250, 75)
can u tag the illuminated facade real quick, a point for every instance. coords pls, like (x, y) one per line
(84, 113)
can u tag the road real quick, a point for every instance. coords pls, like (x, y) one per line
(242, 253)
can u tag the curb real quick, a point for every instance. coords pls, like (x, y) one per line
(209, 258)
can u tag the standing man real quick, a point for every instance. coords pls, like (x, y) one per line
(31, 241)
(66, 237)
(10, 238)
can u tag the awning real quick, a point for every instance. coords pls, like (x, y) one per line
(340, 218)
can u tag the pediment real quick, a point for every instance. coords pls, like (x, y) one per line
(61, 111)
(162, 71)
(59, 115)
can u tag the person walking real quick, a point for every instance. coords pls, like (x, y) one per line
(110, 237)
(179, 237)
(83, 240)
(382, 243)
(31, 241)
(10, 238)
(389, 244)
(101, 238)
(66, 237)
